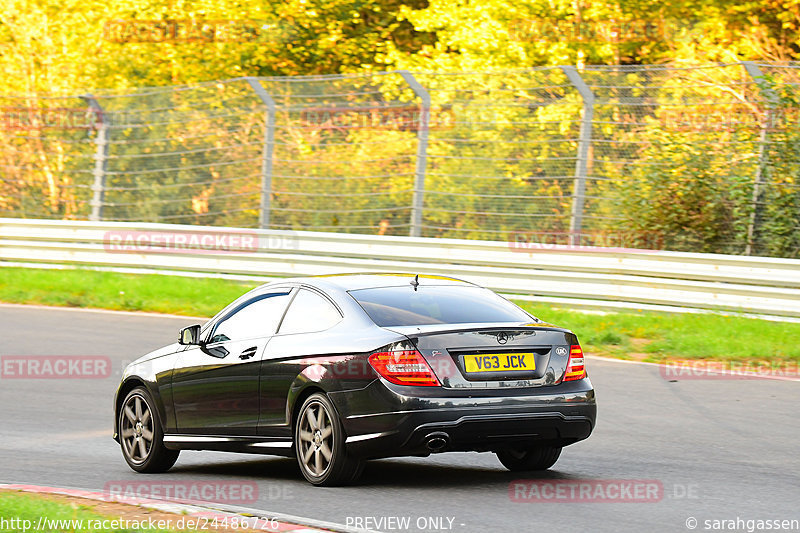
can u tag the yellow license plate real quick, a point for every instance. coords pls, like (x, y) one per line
(499, 362)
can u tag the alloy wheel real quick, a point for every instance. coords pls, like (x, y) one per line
(136, 430)
(316, 439)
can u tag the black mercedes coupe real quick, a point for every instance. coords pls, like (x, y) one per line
(335, 370)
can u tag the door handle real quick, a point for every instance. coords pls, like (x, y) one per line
(248, 353)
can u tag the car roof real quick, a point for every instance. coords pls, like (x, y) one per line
(350, 282)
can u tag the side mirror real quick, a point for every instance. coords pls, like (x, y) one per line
(190, 335)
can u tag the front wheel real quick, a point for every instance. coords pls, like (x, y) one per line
(141, 435)
(536, 458)
(320, 445)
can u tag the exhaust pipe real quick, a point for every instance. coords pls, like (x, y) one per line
(437, 442)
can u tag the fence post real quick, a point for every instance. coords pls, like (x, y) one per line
(422, 152)
(100, 158)
(772, 99)
(582, 160)
(269, 148)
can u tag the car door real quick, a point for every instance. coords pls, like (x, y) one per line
(215, 387)
(302, 334)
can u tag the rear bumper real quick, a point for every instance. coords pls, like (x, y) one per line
(384, 420)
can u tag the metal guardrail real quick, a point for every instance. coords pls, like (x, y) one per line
(573, 276)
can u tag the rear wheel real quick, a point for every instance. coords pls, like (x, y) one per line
(320, 445)
(141, 435)
(535, 458)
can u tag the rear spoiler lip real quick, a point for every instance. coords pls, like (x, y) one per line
(439, 329)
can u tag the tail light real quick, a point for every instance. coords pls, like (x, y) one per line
(575, 367)
(402, 364)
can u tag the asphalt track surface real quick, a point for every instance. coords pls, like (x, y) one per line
(721, 449)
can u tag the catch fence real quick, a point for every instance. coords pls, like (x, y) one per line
(701, 159)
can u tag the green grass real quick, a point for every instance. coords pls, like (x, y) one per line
(126, 292)
(657, 336)
(634, 335)
(18, 507)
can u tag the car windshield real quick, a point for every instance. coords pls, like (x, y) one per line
(404, 306)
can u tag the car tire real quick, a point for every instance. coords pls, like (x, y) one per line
(536, 458)
(141, 435)
(320, 445)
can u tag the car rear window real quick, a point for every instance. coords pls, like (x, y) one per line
(404, 306)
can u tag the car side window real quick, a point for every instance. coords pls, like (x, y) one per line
(309, 312)
(258, 317)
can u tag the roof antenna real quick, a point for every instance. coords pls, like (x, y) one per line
(415, 282)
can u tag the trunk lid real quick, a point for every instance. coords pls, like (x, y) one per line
(498, 355)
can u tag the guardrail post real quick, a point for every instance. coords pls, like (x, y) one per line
(418, 200)
(772, 99)
(269, 148)
(100, 158)
(582, 160)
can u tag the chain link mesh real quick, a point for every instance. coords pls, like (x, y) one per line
(699, 159)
